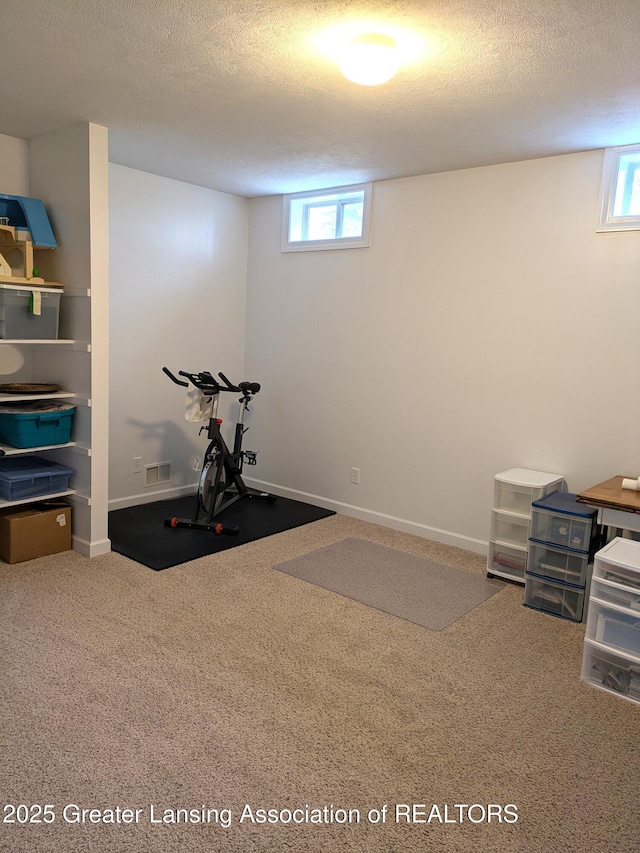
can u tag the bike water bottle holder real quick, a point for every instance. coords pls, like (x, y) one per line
(249, 457)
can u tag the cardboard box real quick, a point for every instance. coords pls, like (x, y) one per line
(37, 530)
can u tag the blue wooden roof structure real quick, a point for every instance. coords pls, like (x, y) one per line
(29, 213)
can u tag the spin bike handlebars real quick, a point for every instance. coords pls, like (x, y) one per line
(210, 386)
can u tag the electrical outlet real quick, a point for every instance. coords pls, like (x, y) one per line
(137, 464)
(355, 476)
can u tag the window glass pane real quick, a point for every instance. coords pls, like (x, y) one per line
(352, 219)
(627, 197)
(634, 201)
(296, 215)
(337, 218)
(321, 222)
(620, 189)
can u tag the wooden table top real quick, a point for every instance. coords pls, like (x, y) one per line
(610, 494)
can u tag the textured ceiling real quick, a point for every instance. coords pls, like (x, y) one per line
(236, 97)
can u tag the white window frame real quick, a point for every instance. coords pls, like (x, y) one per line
(607, 220)
(342, 197)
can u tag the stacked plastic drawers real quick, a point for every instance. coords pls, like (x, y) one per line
(611, 659)
(564, 537)
(513, 493)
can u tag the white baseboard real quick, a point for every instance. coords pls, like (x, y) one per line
(149, 497)
(447, 537)
(90, 549)
(478, 546)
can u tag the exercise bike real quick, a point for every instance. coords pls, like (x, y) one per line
(221, 484)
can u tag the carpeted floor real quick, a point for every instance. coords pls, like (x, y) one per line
(226, 684)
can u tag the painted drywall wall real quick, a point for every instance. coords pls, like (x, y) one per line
(487, 327)
(68, 170)
(178, 268)
(14, 165)
(16, 363)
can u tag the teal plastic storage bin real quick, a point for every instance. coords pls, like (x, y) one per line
(35, 425)
(24, 477)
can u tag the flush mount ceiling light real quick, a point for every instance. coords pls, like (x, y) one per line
(369, 53)
(370, 59)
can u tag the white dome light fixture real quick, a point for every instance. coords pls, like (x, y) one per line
(370, 59)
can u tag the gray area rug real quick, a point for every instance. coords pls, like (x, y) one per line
(412, 588)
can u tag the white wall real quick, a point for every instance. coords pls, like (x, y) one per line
(14, 166)
(178, 261)
(487, 327)
(16, 363)
(68, 170)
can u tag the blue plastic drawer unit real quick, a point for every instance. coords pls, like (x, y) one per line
(27, 424)
(24, 477)
(558, 519)
(559, 599)
(561, 564)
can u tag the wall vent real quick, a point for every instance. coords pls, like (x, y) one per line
(158, 473)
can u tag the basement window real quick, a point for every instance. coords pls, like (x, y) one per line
(336, 218)
(620, 189)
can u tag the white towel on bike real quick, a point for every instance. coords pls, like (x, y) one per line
(197, 405)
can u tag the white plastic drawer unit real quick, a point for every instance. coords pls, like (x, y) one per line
(609, 671)
(516, 489)
(558, 563)
(619, 563)
(558, 599)
(617, 628)
(609, 592)
(504, 560)
(509, 529)
(558, 519)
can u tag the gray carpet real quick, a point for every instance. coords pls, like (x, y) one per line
(413, 588)
(225, 683)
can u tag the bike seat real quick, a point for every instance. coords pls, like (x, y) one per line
(249, 387)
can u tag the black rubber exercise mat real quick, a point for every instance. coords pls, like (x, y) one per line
(139, 532)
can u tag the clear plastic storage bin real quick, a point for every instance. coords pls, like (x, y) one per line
(610, 671)
(554, 598)
(29, 313)
(516, 489)
(559, 519)
(506, 560)
(558, 563)
(619, 562)
(615, 593)
(615, 627)
(509, 529)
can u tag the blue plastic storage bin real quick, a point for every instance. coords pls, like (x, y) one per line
(31, 477)
(31, 427)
